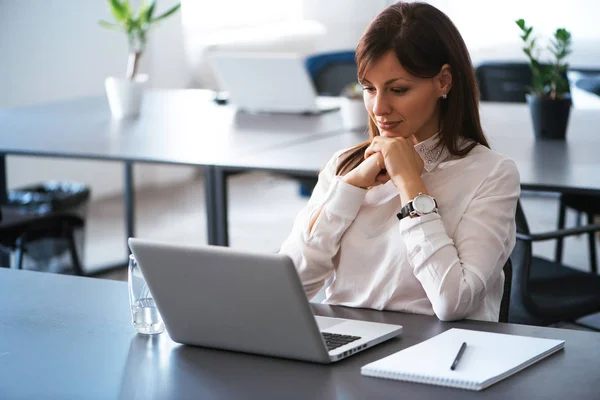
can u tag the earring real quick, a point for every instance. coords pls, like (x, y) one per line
(444, 96)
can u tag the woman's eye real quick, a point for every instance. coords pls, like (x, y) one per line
(399, 90)
(368, 89)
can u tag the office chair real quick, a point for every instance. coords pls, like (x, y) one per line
(17, 230)
(508, 82)
(503, 81)
(545, 292)
(583, 204)
(585, 79)
(591, 85)
(505, 303)
(588, 80)
(331, 72)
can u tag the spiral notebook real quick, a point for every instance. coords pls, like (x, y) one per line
(488, 358)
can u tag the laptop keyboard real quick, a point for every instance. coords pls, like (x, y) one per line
(335, 340)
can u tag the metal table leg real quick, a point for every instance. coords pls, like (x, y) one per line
(221, 202)
(4, 258)
(215, 187)
(129, 199)
(129, 204)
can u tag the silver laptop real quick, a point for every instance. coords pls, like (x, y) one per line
(269, 83)
(249, 302)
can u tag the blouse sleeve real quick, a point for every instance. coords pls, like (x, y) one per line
(313, 251)
(455, 272)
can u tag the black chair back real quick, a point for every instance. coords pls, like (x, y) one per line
(334, 77)
(504, 82)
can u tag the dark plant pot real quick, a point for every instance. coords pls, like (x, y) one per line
(550, 117)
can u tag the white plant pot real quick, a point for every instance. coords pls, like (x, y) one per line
(125, 96)
(354, 114)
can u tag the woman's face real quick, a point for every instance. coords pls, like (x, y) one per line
(401, 104)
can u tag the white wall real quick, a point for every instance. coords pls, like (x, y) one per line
(345, 20)
(490, 32)
(54, 50)
(488, 27)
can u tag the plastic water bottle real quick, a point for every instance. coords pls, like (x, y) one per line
(145, 316)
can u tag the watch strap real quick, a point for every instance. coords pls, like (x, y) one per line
(406, 210)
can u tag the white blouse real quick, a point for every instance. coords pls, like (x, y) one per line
(447, 263)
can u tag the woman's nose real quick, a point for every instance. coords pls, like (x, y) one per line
(380, 105)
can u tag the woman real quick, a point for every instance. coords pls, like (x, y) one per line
(420, 218)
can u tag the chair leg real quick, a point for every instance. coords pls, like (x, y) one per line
(558, 251)
(73, 250)
(19, 251)
(592, 244)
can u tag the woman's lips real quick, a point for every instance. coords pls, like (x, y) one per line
(386, 126)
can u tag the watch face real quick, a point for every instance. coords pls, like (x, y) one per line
(423, 204)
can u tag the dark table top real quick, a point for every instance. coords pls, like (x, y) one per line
(565, 166)
(175, 126)
(65, 337)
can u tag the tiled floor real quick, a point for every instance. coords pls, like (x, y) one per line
(262, 208)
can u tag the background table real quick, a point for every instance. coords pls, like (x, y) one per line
(183, 127)
(66, 337)
(571, 166)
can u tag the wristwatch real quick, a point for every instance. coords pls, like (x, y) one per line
(422, 204)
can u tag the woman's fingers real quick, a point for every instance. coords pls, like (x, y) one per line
(378, 144)
(382, 178)
(373, 148)
(380, 160)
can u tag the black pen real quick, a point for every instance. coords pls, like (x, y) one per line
(458, 356)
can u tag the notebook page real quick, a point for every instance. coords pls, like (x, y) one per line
(488, 355)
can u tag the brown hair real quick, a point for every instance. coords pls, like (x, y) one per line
(424, 39)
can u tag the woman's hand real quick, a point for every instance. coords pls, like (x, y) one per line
(402, 163)
(371, 172)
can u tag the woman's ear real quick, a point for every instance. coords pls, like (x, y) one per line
(445, 79)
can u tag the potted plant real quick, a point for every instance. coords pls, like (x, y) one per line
(352, 107)
(125, 94)
(549, 97)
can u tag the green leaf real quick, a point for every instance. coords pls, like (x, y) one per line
(167, 13)
(108, 25)
(132, 25)
(146, 11)
(150, 11)
(562, 34)
(521, 23)
(127, 6)
(119, 10)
